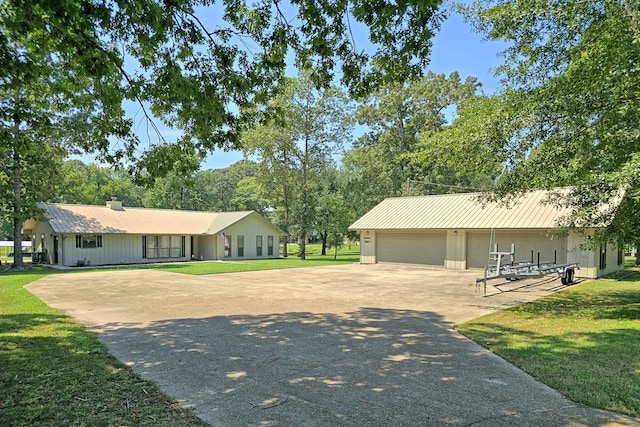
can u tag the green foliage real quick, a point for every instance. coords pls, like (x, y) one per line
(400, 117)
(333, 220)
(583, 342)
(295, 152)
(203, 77)
(217, 190)
(248, 196)
(569, 113)
(94, 185)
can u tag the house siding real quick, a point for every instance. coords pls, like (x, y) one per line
(251, 229)
(589, 260)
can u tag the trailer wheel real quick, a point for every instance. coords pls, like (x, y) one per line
(570, 273)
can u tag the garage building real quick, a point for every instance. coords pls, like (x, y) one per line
(458, 231)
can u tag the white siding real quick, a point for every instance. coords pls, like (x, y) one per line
(411, 247)
(589, 260)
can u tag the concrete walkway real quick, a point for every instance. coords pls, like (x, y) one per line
(353, 345)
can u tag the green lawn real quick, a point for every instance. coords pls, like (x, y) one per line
(56, 373)
(345, 256)
(583, 342)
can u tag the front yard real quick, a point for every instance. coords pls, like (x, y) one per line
(583, 342)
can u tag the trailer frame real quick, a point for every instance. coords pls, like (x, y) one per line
(516, 270)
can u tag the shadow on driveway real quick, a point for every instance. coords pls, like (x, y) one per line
(373, 367)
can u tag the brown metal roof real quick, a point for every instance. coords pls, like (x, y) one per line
(69, 218)
(461, 211)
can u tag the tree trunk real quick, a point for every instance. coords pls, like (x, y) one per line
(303, 246)
(18, 262)
(305, 205)
(638, 252)
(285, 251)
(324, 235)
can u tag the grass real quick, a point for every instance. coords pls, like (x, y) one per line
(54, 372)
(313, 258)
(583, 342)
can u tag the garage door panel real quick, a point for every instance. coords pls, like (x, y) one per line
(412, 248)
(479, 246)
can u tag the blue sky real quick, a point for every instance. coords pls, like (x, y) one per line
(456, 47)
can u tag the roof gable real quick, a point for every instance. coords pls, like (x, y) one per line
(461, 211)
(72, 219)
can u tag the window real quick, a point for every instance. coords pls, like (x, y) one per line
(144, 247)
(269, 245)
(163, 247)
(603, 257)
(88, 241)
(240, 245)
(259, 245)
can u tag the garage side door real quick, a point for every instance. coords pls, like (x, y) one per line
(411, 248)
(536, 241)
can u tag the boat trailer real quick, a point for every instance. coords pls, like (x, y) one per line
(500, 267)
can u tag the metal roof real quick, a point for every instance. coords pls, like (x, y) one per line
(69, 218)
(461, 211)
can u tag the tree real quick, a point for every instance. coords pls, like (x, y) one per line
(34, 169)
(571, 104)
(214, 190)
(30, 155)
(294, 152)
(248, 196)
(200, 76)
(333, 220)
(275, 150)
(91, 184)
(67, 69)
(399, 117)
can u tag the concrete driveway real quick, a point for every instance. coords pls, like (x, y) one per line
(353, 345)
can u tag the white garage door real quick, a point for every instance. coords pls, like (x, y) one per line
(526, 243)
(411, 248)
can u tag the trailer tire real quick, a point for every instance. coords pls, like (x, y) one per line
(570, 273)
(567, 279)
